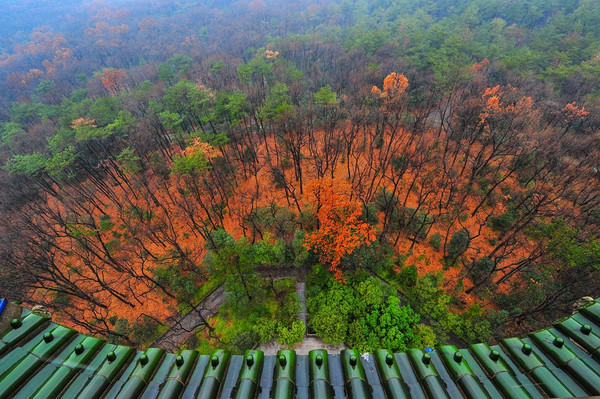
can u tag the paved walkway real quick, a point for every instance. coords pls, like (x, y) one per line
(183, 329)
(188, 324)
(309, 343)
(301, 292)
(302, 348)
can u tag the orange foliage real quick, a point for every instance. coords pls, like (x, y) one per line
(112, 79)
(394, 85)
(341, 231)
(81, 122)
(257, 5)
(148, 24)
(271, 54)
(103, 27)
(572, 111)
(494, 104)
(481, 66)
(200, 147)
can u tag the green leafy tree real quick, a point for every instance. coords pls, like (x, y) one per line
(290, 335)
(277, 104)
(458, 244)
(326, 97)
(387, 325)
(32, 165)
(129, 162)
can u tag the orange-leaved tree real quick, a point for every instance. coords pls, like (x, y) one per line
(394, 87)
(340, 230)
(112, 79)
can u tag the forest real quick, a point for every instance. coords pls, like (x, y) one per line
(430, 169)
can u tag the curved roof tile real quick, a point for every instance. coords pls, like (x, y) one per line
(40, 359)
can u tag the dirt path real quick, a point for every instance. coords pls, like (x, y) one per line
(187, 325)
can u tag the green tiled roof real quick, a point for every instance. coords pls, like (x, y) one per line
(40, 359)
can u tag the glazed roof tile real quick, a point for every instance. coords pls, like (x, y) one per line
(40, 359)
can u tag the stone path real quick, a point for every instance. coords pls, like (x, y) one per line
(188, 324)
(301, 292)
(183, 329)
(302, 348)
(309, 343)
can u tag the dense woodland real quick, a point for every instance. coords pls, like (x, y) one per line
(431, 166)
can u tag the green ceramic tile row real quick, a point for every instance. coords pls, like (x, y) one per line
(19, 352)
(26, 361)
(523, 354)
(94, 379)
(122, 376)
(582, 333)
(46, 370)
(143, 371)
(427, 374)
(390, 376)
(355, 379)
(285, 375)
(498, 372)
(318, 373)
(462, 373)
(214, 375)
(249, 377)
(567, 360)
(20, 329)
(195, 377)
(178, 375)
(592, 311)
(77, 358)
(158, 376)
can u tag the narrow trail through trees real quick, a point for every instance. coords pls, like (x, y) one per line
(183, 329)
(187, 325)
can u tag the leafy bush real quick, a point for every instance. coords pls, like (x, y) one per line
(458, 243)
(292, 334)
(145, 330)
(476, 324)
(105, 223)
(218, 239)
(417, 223)
(481, 268)
(280, 221)
(364, 313)
(424, 336)
(183, 286)
(377, 257)
(436, 241)
(244, 340)
(387, 325)
(408, 276)
(505, 221)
